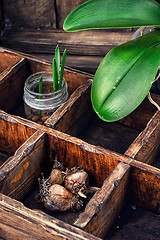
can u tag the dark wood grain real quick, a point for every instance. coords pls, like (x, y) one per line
(21, 171)
(19, 222)
(11, 85)
(31, 13)
(105, 205)
(12, 133)
(1, 17)
(64, 7)
(93, 42)
(145, 186)
(7, 60)
(146, 145)
(73, 117)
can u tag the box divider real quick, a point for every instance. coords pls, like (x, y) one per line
(106, 204)
(145, 186)
(21, 171)
(146, 145)
(19, 221)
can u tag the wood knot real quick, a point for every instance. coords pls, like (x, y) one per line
(116, 183)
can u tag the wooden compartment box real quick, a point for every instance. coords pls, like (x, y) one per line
(117, 157)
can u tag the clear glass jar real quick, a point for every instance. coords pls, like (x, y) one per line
(38, 107)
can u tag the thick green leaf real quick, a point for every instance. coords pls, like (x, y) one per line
(95, 14)
(125, 76)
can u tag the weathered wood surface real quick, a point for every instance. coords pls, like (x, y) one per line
(139, 118)
(106, 204)
(93, 42)
(75, 115)
(99, 161)
(41, 62)
(11, 85)
(31, 13)
(63, 8)
(33, 145)
(31, 65)
(3, 157)
(76, 118)
(85, 50)
(145, 186)
(12, 133)
(83, 63)
(20, 172)
(19, 222)
(7, 60)
(146, 145)
(135, 223)
(1, 17)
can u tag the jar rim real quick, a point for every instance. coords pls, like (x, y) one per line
(42, 94)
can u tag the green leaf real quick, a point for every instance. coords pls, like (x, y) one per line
(57, 59)
(96, 14)
(62, 68)
(40, 87)
(125, 76)
(55, 77)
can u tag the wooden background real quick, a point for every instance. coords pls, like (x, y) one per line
(38, 13)
(35, 27)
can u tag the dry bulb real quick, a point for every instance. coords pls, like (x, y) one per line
(64, 189)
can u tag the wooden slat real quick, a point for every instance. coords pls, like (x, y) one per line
(64, 7)
(76, 106)
(12, 133)
(145, 186)
(7, 60)
(146, 145)
(19, 222)
(105, 205)
(67, 148)
(20, 172)
(83, 63)
(31, 13)
(40, 61)
(139, 118)
(93, 42)
(11, 85)
(1, 17)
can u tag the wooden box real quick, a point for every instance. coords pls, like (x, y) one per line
(122, 159)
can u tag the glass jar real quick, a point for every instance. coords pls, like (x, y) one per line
(38, 107)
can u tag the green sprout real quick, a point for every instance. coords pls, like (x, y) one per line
(40, 88)
(126, 74)
(57, 71)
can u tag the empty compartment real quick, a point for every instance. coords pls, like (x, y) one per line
(81, 121)
(7, 60)
(140, 217)
(12, 135)
(135, 223)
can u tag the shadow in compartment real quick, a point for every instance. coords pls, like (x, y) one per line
(135, 223)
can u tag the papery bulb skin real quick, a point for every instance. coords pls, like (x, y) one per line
(76, 180)
(56, 176)
(60, 199)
